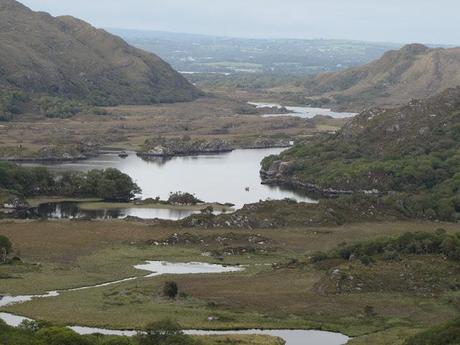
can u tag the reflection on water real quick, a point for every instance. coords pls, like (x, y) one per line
(230, 177)
(71, 210)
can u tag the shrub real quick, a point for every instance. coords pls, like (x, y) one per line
(11, 103)
(447, 334)
(170, 290)
(369, 311)
(209, 210)
(59, 107)
(414, 243)
(5, 248)
(61, 336)
(183, 199)
(164, 332)
(318, 257)
(366, 260)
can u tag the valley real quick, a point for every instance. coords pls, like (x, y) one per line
(188, 189)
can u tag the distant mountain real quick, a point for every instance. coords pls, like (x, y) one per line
(64, 56)
(414, 71)
(411, 153)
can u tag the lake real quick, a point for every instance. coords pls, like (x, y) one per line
(304, 112)
(72, 210)
(224, 178)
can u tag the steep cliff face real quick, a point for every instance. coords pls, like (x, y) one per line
(67, 57)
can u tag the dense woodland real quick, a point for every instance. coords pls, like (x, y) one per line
(109, 184)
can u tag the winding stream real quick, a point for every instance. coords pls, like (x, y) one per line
(157, 268)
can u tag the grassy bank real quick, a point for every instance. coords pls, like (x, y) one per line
(278, 289)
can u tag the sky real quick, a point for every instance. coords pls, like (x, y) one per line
(402, 21)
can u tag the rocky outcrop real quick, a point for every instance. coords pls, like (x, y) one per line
(53, 153)
(265, 143)
(275, 174)
(177, 147)
(162, 147)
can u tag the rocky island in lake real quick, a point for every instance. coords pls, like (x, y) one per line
(186, 146)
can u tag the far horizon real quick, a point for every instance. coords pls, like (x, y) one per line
(411, 22)
(127, 30)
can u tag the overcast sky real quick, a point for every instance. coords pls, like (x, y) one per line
(404, 21)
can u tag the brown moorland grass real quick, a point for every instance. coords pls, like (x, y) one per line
(81, 253)
(127, 127)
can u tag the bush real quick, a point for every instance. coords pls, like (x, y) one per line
(11, 103)
(369, 311)
(318, 257)
(182, 198)
(61, 336)
(57, 107)
(209, 210)
(366, 260)
(390, 249)
(5, 248)
(170, 290)
(164, 332)
(447, 334)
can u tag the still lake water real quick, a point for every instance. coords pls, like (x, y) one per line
(304, 112)
(212, 178)
(72, 210)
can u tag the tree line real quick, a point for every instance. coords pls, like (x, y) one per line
(109, 184)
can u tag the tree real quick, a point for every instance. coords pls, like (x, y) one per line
(5, 248)
(111, 185)
(116, 186)
(165, 332)
(170, 290)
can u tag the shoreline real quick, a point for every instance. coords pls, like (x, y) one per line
(140, 154)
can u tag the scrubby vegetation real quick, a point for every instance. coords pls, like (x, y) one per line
(447, 334)
(245, 81)
(5, 248)
(109, 184)
(389, 249)
(59, 107)
(183, 198)
(165, 332)
(42, 333)
(413, 150)
(11, 103)
(289, 213)
(170, 289)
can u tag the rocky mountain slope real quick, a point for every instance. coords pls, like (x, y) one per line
(413, 150)
(414, 71)
(64, 56)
